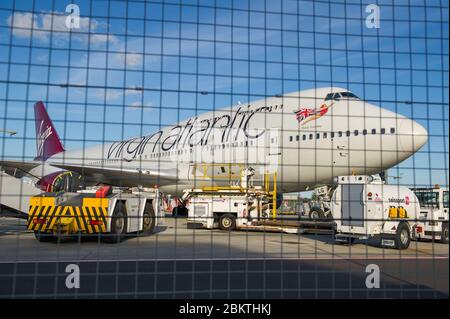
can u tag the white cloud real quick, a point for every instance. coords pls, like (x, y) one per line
(23, 23)
(133, 59)
(138, 105)
(110, 94)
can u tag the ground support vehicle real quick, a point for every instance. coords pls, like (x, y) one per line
(365, 207)
(244, 206)
(110, 212)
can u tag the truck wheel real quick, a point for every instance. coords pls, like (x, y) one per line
(316, 214)
(227, 222)
(444, 234)
(118, 225)
(44, 237)
(402, 237)
(149, 219)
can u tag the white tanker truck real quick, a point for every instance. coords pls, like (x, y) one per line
(364, 207)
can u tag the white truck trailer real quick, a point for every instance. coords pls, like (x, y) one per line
(110, 212)
(365, 207)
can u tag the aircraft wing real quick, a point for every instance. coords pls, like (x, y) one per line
(121, 176)
(18, 168)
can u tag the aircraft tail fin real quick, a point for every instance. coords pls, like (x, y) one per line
(47, 139)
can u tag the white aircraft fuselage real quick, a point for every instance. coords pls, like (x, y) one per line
(307, 137)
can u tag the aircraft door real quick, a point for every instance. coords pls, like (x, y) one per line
(274, 141)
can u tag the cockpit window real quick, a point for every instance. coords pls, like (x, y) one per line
(329, 96)
(349, 95)
(333, 96)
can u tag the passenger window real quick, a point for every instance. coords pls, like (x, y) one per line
(310, 136)
(356, 132)
(374, 131)
(392, 130)
(317, 135)
(332, 134)
(304, 137)
(347, 133)
(364, 132)
(290, 138)
(325, 135)
(340, 133)
(297, 137)
(383, 131)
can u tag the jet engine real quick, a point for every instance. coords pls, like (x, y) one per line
(61, 181)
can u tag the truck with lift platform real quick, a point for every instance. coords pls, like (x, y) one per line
(244, 207)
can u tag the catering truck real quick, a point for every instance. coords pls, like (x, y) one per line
(364, 207)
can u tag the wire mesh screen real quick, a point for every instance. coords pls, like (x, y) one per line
(224, 149)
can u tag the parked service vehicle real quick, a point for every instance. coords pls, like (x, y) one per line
(111, 212)
(364, 207)
(226, 209)
(433, 218)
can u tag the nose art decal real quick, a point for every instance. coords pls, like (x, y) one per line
(305, 115)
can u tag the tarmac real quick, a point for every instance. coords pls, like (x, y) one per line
(177, 262)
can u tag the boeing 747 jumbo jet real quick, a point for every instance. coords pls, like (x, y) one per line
(307, 137)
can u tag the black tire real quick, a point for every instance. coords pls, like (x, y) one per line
(148, 219)
(119, 225)
(403, 236)
(316, 214)
(44, 237)
(227, 222)
(444, 234)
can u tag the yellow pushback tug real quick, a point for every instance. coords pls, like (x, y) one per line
(103, 210)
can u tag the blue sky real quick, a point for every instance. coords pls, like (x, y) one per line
(238, 49)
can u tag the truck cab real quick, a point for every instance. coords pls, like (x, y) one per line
(433, 216)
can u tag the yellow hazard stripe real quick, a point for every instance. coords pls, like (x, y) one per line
(47, 214)
(80, 218)
(93, 217)
(55, 217)
(87, 218)
(31, 213)
(97, 211)
(40, 212)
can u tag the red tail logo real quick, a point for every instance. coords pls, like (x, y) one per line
(47, 139)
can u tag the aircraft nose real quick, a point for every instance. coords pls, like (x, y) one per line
(412, 136)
